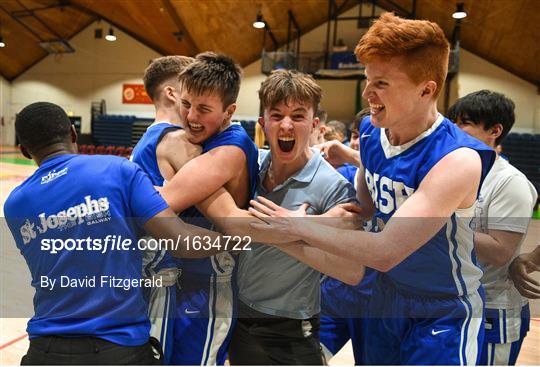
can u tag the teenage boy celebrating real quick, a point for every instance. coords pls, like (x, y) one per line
(161, 152)
(278, 320)
(207, 299)
(502, 217)
(419, 175)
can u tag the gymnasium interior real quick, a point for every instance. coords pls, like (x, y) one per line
(88, 56)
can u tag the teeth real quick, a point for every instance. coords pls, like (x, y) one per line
(283, 138)
(375, 105)
(195, 125)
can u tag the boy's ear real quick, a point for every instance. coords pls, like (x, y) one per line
(429, 88)
(261, 121)
(168, 92)
(315, 122)
(231, 109)
(73, 134)
(497, 130)
(25, 152)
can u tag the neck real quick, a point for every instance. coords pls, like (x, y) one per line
(408, 129)
(169, 115)
(53, 151)
(279, 172)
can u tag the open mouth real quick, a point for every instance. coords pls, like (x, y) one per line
(375, 108)
(286, 144)
(195, 127)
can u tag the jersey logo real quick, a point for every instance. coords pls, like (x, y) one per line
(53, 175)
(364, 135)
(189, 312)
(387, 195)
(90, 211)
(433, 332)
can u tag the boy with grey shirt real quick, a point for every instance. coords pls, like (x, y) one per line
(278, 321)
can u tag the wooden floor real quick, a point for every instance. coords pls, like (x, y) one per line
(16, 293)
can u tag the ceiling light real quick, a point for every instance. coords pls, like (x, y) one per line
(2, 44)
(460, 12)
(259, 23)
(110, 37)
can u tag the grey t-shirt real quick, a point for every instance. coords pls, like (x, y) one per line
(271, 281)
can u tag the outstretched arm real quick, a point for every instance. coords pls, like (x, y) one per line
(451, 184)
(167, 226)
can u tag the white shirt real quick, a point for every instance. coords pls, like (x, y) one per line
(505, 203)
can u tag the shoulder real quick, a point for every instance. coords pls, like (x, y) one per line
(330, 181)
(462, 160)
(505, 178)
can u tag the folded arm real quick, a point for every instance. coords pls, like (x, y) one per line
(203, 176)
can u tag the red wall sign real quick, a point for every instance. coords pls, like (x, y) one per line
(135, 94)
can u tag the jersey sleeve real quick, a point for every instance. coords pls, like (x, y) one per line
(512, 205)
(143, 199)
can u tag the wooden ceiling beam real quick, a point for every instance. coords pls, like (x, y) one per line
(186, 36)
(133, 35)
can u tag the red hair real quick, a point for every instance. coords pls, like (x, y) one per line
(421, 43)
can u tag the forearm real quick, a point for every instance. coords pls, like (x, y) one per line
(335, 266)
(352, 157)
(178, 237)
(381, 251)
(239, 224)
(489, 250)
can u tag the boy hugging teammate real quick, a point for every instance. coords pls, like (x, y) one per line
(202, 98)
(162, 150)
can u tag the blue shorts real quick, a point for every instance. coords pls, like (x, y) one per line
(343, 317)
(416, 330)
(162, 314)
(505, 331)
(206, 307)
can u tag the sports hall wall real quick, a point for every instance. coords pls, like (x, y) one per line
(339, 96)
(6, 128)
(98, 69)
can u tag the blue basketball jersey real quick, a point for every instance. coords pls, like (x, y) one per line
(234, 135)
(91, 204)
(446, 264)
(144, 154)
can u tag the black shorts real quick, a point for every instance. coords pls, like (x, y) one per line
(56, 350)
(261, 339)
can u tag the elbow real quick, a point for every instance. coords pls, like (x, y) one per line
(385, 264)
(354, 277)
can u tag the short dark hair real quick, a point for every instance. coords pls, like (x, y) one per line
(213, 73)
(42, 124)
(162, 69)
(357, 119)
(486, 108)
